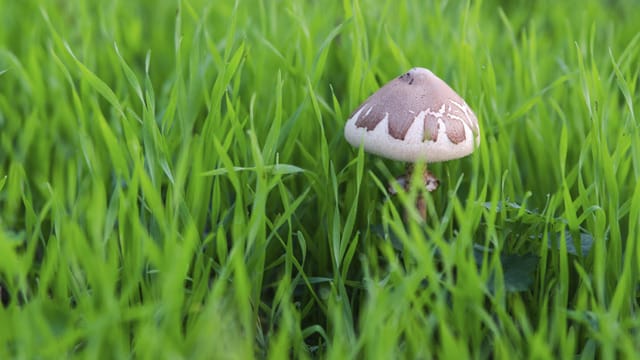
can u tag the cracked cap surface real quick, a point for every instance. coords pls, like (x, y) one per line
(415, 117)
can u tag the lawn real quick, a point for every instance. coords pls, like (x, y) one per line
(175, 182)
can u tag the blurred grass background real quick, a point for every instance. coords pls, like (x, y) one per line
(174, 181)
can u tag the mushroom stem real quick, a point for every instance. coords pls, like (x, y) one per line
(431, 183)
(421, 205)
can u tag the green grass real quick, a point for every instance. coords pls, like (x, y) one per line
(174, 182)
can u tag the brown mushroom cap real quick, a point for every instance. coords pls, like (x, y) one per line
(415, 117)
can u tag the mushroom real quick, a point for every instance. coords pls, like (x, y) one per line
(416, 117)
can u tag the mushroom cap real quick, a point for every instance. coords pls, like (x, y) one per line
(415, 117)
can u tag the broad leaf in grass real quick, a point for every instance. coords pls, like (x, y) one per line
(516, 212)
(518, 271)
(585, 243)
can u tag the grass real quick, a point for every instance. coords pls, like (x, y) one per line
(174, 182)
